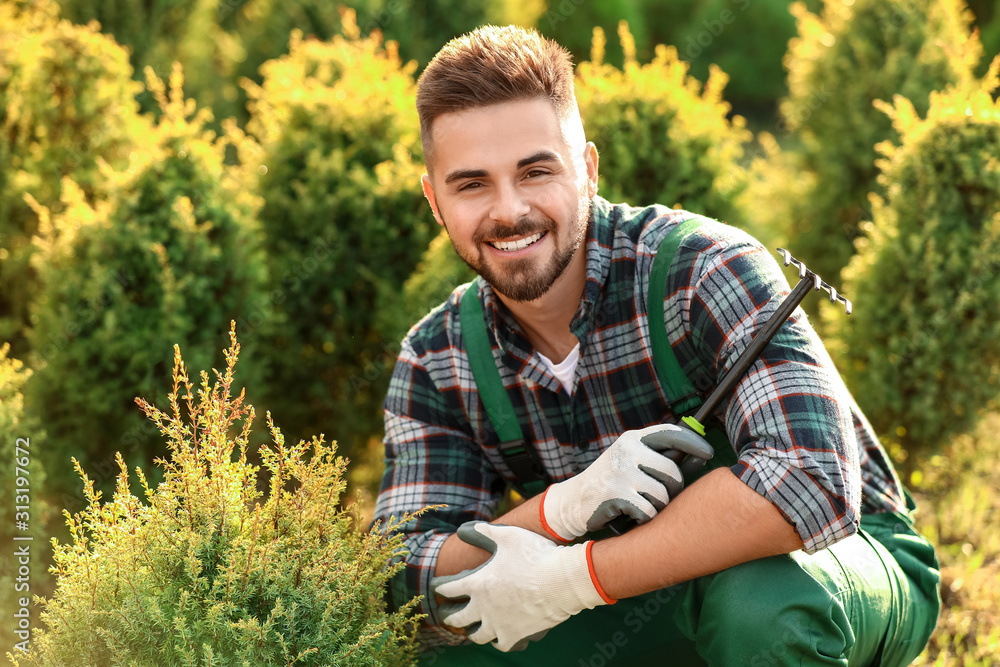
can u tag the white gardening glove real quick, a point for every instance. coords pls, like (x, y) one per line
(526, 587)
(633, 477)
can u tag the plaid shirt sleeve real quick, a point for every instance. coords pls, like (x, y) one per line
(431, 459)
(790, 418)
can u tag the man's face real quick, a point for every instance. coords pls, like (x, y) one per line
(513, 187)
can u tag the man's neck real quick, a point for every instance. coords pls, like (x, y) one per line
(546, 320)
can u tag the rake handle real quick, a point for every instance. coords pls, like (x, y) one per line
(749, 355)
(808, 281)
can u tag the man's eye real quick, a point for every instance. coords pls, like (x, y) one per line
(536, 172)
(470, 186)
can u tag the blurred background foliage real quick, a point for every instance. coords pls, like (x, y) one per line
(172, 253)
(342, 221)
(167, 166)
(68, 104)
(921, 351)
(839, 64)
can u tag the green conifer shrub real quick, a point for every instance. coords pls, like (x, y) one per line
(22, 451)
(440, 271)
(745, 38)
(920, 351)
(146, 27)
(67, 105)
(421, 28)
(572, 23)
(988, 23)
(841, 62)
(171, 254)
(262, 29)
(345, 222)
(158, 33)
(662, 136)
(206, 569)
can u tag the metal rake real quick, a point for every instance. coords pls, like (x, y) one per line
(808, 282)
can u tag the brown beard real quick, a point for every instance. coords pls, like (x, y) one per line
(517, 280)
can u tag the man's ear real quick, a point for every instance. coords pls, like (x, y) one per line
(425, 183)
(591, 159)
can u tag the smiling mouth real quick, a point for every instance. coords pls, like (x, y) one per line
(511, 246)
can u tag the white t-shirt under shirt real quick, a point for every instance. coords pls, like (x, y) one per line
(565, 370)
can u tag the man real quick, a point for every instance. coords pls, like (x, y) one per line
(800, 552)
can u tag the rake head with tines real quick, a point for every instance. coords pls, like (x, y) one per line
(817, 283)
(808, 281)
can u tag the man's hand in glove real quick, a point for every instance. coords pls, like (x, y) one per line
(526, 587)
(633, 477)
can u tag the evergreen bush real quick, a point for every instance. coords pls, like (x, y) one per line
(22, 450)
(662, 136)
(146, 27)
(172, 254)
(920, 350)
(67, 105)
(344, 219)
(262, 28)
(987, 23)
(745, 38)
(440, 271)
(208, 570)
(841, 62)
(161, 32)
(421, 28)
(572, 23)
(219, 42)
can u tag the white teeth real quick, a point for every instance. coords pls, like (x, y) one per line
(516, 245)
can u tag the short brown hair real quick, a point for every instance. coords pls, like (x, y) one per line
(493, 65)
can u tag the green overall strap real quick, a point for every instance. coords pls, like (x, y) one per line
(520, 457)
(676, 385)
(680, 392)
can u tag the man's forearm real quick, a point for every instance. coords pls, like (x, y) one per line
(716, 523)
(456, 556)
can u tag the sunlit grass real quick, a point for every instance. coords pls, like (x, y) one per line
(957, 492)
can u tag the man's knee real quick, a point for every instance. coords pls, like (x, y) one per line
(770, 612)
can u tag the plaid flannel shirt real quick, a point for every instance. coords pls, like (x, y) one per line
(802, 441)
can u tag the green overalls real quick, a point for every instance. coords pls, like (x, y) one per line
(870, 599)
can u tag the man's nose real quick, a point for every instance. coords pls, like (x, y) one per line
(509, 205)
